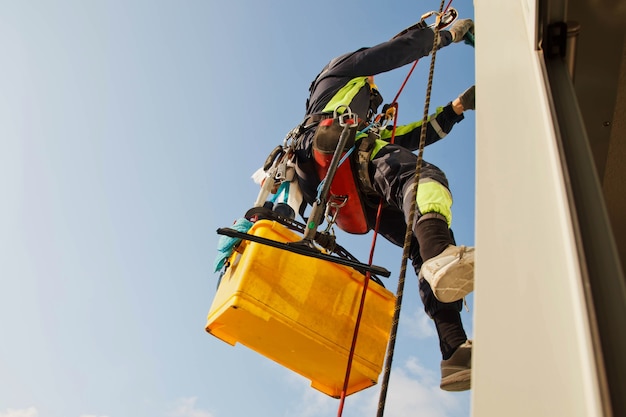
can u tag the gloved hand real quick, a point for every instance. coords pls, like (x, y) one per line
(468, 98)
(460, 28)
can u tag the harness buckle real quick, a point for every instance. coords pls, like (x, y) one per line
(347, 118)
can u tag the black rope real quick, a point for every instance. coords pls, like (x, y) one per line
(409, 229)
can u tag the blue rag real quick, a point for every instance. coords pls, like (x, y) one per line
(226, 244)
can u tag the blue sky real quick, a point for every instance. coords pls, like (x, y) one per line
(128, 134)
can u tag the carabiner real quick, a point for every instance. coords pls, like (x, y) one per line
(275, 154)
(443, 20)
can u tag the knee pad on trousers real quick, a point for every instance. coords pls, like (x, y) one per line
(433, 197)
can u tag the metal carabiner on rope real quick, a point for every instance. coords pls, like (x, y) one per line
(442, 20)
(334, 202)
(386, 116)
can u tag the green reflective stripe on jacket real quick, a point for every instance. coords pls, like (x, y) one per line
(385, 135)
(345, 95)
(404, 129)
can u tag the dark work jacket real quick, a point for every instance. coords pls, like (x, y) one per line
(344, 70)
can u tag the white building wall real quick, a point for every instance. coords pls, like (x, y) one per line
(532, 355)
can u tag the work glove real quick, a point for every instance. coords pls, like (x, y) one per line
(460, 28)
(468, 98)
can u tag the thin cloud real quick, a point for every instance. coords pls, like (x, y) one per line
(411, 387)
(419, 325)
(414, 387)
(90, 415)
(312, 403)
(186, 407)
(25, 412)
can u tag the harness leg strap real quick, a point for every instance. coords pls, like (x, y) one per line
(363, 156)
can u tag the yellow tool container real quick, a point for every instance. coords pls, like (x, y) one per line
(301, 312)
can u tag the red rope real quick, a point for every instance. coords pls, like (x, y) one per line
(395, 99)
(344, 390)
(342, 398)
(358, 318)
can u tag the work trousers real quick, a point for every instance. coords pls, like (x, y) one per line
(392, 172)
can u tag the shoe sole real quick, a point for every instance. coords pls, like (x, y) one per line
(453, 281)
(459, 381)
(456, 283)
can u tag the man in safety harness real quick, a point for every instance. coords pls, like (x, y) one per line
(445, 270)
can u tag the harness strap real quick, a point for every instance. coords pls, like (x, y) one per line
(362, 158)
(316, 118)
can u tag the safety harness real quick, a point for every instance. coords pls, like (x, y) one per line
(351, 179)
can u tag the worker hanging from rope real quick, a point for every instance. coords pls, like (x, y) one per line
(346, 84)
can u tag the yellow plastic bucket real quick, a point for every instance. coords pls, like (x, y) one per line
(301, 312)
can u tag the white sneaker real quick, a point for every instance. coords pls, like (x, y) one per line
(451, 273)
